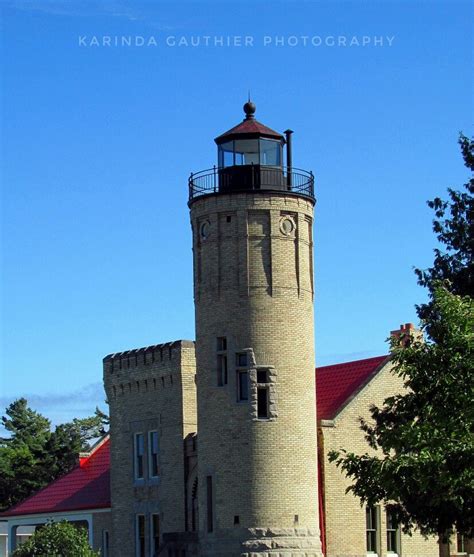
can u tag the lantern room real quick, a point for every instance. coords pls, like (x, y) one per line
(250, 143)
(250, 155)
(250, 158)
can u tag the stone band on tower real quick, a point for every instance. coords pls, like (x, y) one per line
(253, 286)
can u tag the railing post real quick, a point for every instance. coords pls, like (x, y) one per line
(190, 183)
(214, 179)
(311, 183)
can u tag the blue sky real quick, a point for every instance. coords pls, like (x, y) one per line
(98, 143)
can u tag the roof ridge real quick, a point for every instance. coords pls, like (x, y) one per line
(352, 362)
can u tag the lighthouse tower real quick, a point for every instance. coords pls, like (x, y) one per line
(252, 220)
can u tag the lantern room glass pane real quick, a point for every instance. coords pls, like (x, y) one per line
(246, 151)
(270, 152)
(226, 154)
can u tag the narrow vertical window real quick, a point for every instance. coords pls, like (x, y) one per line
(153, 454)
(154, 535)
(371, 529)
(221, 370)
(210, 513)
(262, 394)
(140, 535)
(139, 452)
(221, 361)
(105, 544)
(242, 386)
(262, 402)
(393, 539)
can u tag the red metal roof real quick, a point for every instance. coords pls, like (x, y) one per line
(248, 127)
(335, 384)
(85, 487)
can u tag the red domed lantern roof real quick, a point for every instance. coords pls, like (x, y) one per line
(249, 128)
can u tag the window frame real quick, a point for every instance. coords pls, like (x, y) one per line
(374, 531)
(151, 454)
(224, 152)
(395, 531)
(136, 456)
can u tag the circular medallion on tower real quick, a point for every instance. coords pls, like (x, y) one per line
(287, 225)
(205, 230)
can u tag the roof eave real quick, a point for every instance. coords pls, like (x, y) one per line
(247, 135)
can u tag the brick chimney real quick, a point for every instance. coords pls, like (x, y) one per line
(406, 334)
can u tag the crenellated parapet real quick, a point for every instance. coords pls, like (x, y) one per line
(152, 367)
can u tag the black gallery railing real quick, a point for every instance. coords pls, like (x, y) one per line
(248, 178)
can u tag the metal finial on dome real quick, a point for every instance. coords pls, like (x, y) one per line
(249, 109)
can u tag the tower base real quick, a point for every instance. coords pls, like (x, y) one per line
(263, 542)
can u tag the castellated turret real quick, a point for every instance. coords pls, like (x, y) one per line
(152, 401)
(252, 222)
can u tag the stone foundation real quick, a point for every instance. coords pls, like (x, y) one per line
(263, 542)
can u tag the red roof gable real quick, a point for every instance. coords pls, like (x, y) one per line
(336, 383)
(85, 487)
(249, 126)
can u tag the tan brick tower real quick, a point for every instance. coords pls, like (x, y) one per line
(253, 286)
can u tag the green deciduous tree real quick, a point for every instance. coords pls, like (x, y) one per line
(33, 455)
(423, 439)
(57, 539)
(454, 229)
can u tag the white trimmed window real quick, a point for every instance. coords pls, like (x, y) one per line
(393, 535)
(153, 454)
(372, 529)
(139, 456)
(140, 535)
